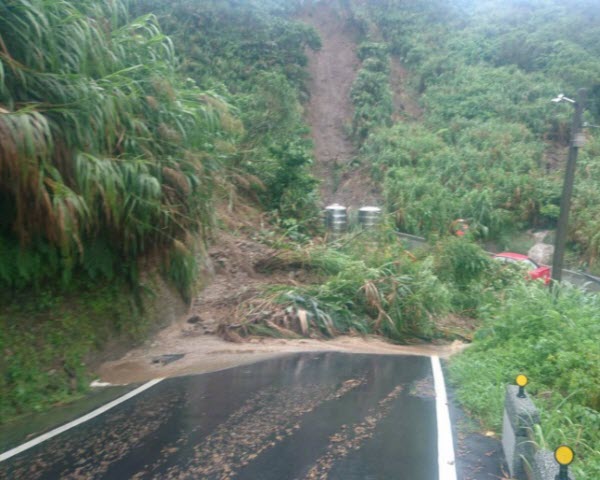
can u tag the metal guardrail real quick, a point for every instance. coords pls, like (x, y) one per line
(590, 282)
(412, 240)
(411, 237)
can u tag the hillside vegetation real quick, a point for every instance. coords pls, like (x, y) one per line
(107, 153)
(253, 55)
(106, 159)
(491, 146)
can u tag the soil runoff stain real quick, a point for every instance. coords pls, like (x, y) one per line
(304, 416)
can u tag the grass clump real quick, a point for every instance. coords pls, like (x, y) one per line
(556, 342)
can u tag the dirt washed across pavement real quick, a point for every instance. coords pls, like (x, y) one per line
(209, 353)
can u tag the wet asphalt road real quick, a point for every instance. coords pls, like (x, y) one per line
(305, 416)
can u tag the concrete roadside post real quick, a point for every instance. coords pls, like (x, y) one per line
(545, 467)
(520, 416)
(525, 461)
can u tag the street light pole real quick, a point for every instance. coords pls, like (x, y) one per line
(565, 201)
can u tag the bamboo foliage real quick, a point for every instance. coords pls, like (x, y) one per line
(99, 136)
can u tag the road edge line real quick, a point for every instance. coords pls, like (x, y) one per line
(446, 459)
(57, 431)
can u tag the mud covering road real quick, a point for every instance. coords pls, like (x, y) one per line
(303, 416)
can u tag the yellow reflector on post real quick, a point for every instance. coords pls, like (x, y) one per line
(522, 380)
(564, 455)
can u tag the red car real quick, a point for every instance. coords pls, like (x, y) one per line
(534, 271)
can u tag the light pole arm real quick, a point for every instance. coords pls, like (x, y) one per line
(565, 200)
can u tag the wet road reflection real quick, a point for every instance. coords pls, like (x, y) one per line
(305, 416)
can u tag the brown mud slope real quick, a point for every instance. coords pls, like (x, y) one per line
(333, 70)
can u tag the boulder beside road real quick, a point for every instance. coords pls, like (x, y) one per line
(541, 253)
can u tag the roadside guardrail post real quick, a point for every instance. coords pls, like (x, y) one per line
(525, 461)
(520, 416)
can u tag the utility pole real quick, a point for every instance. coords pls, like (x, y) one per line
(565, 201)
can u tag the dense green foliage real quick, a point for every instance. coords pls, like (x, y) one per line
(371, 95)
(555, 342)
(433, 178)
(488, 144)
(110, 153)
(46, 339)
(585, 211)
(107, 156)
(254, 55)
(106, 153)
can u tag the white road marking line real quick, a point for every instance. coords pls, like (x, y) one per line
(446, 460)
(79, 421)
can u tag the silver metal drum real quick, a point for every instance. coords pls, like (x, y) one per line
(369, 217)
(336, 218)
